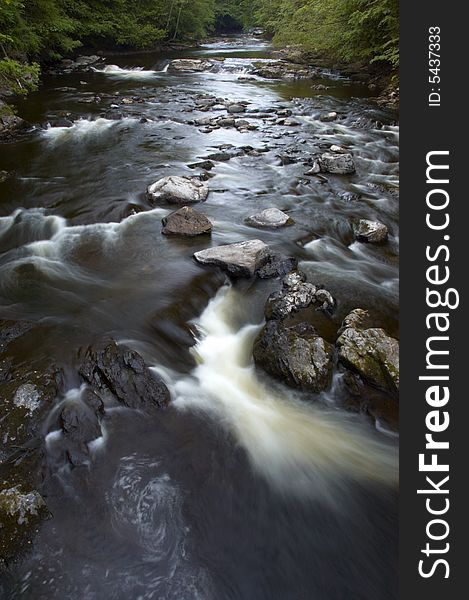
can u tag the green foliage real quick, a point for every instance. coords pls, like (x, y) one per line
(18, 77)
(351, 30)
(364, 30)
(236, 12)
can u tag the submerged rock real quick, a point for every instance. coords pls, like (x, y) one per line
(186, 221)
(372, 232)
(118, 371)
(242, 259)
(178, 190)
(207, 165)
(21, 511)
(80, 424)
(369, 351)
(270, 217)
(297, 355)
(337, 164)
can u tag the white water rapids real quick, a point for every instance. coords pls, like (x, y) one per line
(299, 447)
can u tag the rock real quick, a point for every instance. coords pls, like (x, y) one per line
(277, 266)
(296, 294)
(190, 64)
(84, 61)
(296, 354)
(282, 70)
(226, 122)
(349, 196)
(207, 165)
(236, 108)
(338, 149)
(241, 259)
(80, 424)
(328, 117)
(315, 169)
(370, 352)
(11, 124)
(186, 221)
(62, 123)
(117, 371)
(178, 190)
(270, 217)
(372, 232)
(338, 164)
(21, 511)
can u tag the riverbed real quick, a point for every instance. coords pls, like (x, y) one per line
(243, 488)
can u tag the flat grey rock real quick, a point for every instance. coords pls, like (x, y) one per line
(242, 259)
(270, 217)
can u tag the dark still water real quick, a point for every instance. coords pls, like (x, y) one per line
(242, 489)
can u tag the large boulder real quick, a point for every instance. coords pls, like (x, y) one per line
(369, 351)
(297, 355)
(270, 217)
(195, 65)
(242, 259)
(372, 232)
(178, 190)
(337, 164)
(115, 371)
(186, 221)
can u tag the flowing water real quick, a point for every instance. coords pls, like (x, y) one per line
(243, 488)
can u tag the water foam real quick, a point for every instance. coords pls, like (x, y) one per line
(298, 447)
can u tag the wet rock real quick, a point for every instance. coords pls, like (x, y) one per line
(80, 424)
(178, 190)
(236, 108)
(21, 511)
(270, 217)
(207, 165)
(297, 294)
(187, 222)
(11, 125)
(372, 232)
(62, 123)
(328, 117)
(226, 122)
(12, 330)
(315, 169)
(196, 65)
(338, 149)
(282, 70)
(277, 266)
(369, 351)
(297, 355)
(349, 196)
(87, 60)
(241, 259)
(338, 164)
(116, 371)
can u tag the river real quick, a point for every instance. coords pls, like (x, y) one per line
(242, 489)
